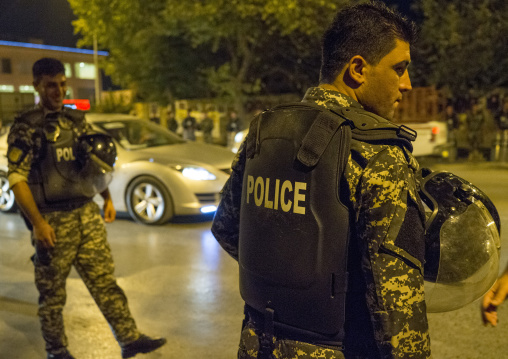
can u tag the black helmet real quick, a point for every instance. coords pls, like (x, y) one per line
(96, 153)
(97, 147)
(462, 241)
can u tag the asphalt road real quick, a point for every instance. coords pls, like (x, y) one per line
(181, 285)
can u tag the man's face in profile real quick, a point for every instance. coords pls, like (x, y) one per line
(386, 81)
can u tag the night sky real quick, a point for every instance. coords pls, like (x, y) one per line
(49, 21)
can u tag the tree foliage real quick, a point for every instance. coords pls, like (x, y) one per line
(158, 66)
(192, 48)
(463, 45)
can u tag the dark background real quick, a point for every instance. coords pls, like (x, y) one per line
(46, 21)
(49, 21)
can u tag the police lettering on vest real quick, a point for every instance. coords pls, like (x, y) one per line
(276, 194)
(65, 153)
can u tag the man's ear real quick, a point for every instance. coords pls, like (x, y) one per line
(357, 68)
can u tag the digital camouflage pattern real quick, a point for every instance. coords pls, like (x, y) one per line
(249, 348)
(80, 242)
(381, 180)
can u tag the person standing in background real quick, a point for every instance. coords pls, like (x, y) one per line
(232, 128)
(172, 123)
(206, 126)
(189, 125)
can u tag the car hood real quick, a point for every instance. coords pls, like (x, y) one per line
(191, 153)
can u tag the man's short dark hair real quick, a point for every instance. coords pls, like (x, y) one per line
(47, 66)
(368, 30)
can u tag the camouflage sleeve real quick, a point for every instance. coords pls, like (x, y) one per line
(394, 278)
(20, 144)
(226, 223)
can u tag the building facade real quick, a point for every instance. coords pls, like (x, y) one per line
(16, 60)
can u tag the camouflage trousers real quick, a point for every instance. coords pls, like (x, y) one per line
(80, 242)
(283, 349)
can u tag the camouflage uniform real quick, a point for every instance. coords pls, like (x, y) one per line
(385, 312)
(80, 242)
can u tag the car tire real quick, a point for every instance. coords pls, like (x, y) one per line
(7, 201)
(149, 201)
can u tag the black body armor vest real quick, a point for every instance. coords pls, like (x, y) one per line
(54, 180)
(294, 220)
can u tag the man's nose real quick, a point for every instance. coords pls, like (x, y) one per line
(405, 82)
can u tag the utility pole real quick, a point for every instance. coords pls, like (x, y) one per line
(97, 73)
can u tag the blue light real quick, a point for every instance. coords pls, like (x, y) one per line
(208, 209)
(51, 47)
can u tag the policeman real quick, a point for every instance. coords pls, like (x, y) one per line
(322, 211)
(47, 178)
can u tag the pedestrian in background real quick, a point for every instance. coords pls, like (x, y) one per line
(452, 121)
(232, 128)
(172, 123)
(475, 121)
(502, 115)
(66, 224)
(206, 126)
(287, 206)
(189, 125)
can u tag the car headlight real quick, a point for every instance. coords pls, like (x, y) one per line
(239, 137)
(196, 173)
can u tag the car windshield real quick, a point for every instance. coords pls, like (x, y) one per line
(136, 134)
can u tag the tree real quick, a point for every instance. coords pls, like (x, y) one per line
(158, 67)
(463, 45)
(229, 48)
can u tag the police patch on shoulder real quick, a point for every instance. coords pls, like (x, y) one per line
(15, 155)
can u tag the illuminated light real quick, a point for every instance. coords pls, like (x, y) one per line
(208, 209)
(26, 89)
(434, 133)
(239, 137)
(50, 47)
(6, 88)
(83, 105)
(197, 174)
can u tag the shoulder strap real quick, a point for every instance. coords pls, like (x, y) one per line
(365, 126)
(32, 117)
(320, 133)
(369, 127)
(76, 116)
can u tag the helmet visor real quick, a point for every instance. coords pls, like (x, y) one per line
(468, 262)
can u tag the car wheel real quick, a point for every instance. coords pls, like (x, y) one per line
(7, 201)
(149, 201)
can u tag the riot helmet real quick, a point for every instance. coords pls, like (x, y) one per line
(462, 233)
(96, 153)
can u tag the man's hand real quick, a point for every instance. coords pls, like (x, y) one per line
(494, 297)
(109, 211)
(45, 234)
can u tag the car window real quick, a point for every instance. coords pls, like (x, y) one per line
(135, 134)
